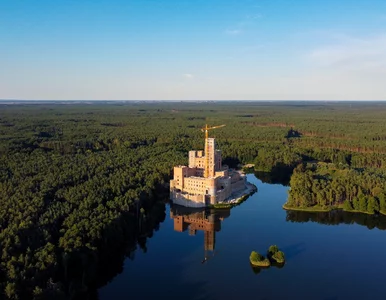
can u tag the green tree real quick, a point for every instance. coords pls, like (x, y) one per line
(10, 290)
(347, 205)
(273, 249)
(362, 203)
(372, 205)
(279, 256)
(382, 202)
(356, 203)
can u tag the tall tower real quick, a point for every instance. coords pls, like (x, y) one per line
(210, 156)
(209, 151)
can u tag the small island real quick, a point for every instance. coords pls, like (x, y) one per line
(274, 256)
(258, 260)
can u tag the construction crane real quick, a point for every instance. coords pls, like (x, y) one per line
(206, 130)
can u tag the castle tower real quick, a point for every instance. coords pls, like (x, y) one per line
(209, 240)
(210, 156)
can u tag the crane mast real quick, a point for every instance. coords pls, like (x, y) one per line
(206, 130)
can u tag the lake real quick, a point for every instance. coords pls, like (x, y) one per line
(328, 255)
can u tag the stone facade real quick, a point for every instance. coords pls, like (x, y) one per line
(189, 187)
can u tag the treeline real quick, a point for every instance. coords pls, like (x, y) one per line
(327, 186)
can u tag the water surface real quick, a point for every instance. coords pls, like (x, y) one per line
(329, 255)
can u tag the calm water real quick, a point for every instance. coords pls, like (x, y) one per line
(340, 261)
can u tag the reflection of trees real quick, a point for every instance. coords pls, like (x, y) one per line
(280, 176)
(84, 271)
(255, 270)
(277, 265)
(336, 217)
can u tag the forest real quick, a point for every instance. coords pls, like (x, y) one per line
(325, 186)
(78, 179)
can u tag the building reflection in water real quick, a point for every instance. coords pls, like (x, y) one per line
(193, 219)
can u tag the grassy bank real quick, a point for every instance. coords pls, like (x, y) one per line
(309, 209)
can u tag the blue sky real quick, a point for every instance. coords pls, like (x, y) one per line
(187, 50)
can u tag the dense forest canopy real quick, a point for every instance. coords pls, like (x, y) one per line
(327, 186)
(76, 179)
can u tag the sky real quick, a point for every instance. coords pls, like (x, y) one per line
(193, 50)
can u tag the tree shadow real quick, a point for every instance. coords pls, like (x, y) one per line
(292, 133)
(294, 250)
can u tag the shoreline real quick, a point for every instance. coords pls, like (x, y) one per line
(320, 209)
(307, 209)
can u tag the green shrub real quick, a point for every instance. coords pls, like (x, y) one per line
(273, 249)
(279, 257)
(258, 260)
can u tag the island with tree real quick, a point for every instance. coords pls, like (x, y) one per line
(274, 256)
(258, 260)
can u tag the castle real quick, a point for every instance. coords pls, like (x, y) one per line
(205, 181)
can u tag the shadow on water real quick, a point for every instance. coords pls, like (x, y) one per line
(274, 177)
(84, 271)
(337, 217)
(294, 250)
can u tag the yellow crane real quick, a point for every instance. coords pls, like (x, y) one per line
(206, 130)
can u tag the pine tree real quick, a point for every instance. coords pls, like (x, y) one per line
(362, 203)
(371, 205)
(347, 205)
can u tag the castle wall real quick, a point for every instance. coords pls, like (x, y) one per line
(181, 174)
(199, 172)
(198, 185)
(223, 173)
(218, 160)
(240, 184)
(196, 159)
(188, 200)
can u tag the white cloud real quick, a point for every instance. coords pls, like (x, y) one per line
(360, 54)
(245, 22)
(254, 16)
(233, 31)
(188, 75)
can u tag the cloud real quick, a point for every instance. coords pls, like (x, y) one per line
(254, 48)
(245, 22)
(233, 31)
(254, 16)
(349, 53)
(188, 75)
